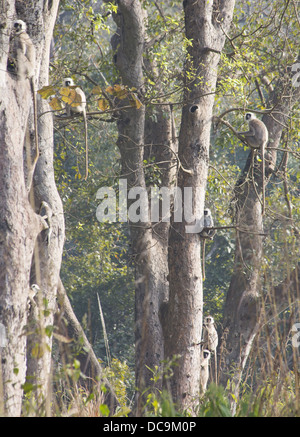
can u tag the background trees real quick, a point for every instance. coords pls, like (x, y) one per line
(173, 56)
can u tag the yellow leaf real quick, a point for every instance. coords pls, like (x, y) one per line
(55, 104)
(119, 91)
(110, 89)
(46, 91)
(103, 104)
(65, 91)
(70, 96)
(97, 90)
(135, 101)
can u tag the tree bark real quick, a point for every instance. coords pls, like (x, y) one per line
(21, 223)
(142, 138)
(242, 312)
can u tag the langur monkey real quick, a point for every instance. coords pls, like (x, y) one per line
(46, 213)
(23, 54)
(78, 108)
(210, 339)
(204, 370)
(257, 137)
(31, 304)
(206, 233)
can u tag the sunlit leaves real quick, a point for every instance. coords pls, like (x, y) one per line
(120, 92)
(47, 91)
(71, 96)
(55, 104)
(103, 104)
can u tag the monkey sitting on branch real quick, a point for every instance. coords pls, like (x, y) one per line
(76, 104)
(257, 137)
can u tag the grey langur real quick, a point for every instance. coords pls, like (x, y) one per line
(31, 304)
(208, 232)
(204, 370)
(22, 58)
(210, 338)
(23, 51)
(46, 213)
(257, 137)
(78, 106)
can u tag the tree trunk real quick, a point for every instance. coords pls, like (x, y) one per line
(183, 328)
(242, 312)
(20, 221)
(142, 138)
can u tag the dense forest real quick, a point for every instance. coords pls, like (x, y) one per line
(149, 226)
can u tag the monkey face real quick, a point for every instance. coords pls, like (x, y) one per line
(68, 82)
(209, 320)
(19, 26)
(206, 354)
(249, 116)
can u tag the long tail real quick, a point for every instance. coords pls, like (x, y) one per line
(263, 179)
(216, 367)
(203, 260)
(35, 121)
(86, 147)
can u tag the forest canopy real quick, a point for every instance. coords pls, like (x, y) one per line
(154, 269)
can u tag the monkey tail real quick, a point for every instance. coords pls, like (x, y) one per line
(203, 260)
(35, 120)
(86, 147)
(216, 368)
(263, 179)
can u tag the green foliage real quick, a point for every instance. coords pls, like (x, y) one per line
(122, 381)
(215, 403)
(263, 41)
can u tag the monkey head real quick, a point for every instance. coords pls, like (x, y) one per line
(68, 81)
(249, 116)
(206, 354)
(20, 27)
(209, 320)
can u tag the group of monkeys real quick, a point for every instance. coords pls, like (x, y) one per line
(22, 62)
(208, 345)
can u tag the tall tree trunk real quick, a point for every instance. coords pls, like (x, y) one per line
(20, 221)
(142, 138)
(183, 327)
(128, 45)
(242, 312)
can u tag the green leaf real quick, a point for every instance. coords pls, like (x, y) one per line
(104, 410)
